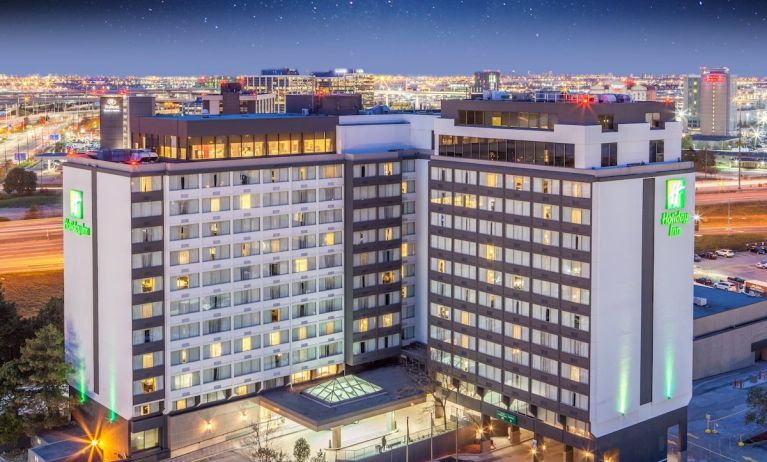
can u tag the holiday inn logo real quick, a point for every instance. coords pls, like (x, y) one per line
(675, 192)
(76, 204)
(674, 217)
(76, 213)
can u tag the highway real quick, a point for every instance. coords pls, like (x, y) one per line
(722, 197)
(31, 245)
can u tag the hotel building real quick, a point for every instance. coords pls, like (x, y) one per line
(539, 250)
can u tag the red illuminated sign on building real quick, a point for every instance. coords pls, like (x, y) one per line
(715, 78)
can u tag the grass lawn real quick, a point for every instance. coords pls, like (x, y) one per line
(735, 241)
(31, 291)
(47, 198)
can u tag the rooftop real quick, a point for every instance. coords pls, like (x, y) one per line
(343, 389)
(346, 399)
(196, 117)
(720, 301)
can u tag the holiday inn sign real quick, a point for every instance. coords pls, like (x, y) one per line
(674, 216)
(76, 213)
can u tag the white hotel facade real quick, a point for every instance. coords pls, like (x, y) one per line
(524, 243)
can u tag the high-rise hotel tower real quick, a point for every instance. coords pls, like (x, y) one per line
(539, 249)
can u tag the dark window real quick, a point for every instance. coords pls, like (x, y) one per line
(607, 122)
(656, 151)
(609, 154)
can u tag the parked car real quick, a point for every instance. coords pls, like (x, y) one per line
(762, 264)
(697, 258)
(705, 281)
(725, 253)
(736, 280)
(757, 249)
(724, 285)
(708, 255)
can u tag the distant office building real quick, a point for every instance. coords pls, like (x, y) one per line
(330, 104)
(286, 81)
(486, 81)
(231, 100)
(691, 101)
(118, 113)
(280, 71)
(280, 84)
(717, 102)
(347, 81)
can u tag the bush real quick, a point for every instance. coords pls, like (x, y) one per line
(20, 181)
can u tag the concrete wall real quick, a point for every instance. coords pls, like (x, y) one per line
(715, 352)
(78, 286)
(188, 432)
(616, 307)
(114, 293)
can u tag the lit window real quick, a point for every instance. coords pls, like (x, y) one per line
(215, 350)
(387, 320)
(182, 282)
(147, 285)
(215, 204)
(274, 338)
(246, 344)
(245, 201)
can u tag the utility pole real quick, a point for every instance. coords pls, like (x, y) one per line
(407, 439)
(740, 138)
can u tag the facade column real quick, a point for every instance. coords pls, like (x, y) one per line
(515, 436)
(569, 454)
(538, 455)
(336, 438)
(391, 423)
(683, 436)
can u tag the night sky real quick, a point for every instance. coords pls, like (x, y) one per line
(192, 37)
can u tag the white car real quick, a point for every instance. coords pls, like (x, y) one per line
(725, 253)
(724, 285)
(762, 264)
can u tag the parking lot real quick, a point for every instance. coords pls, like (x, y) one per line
(741, 265)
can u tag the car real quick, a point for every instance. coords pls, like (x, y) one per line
(725, 253)
(704, 281)
(697, 258)
(736, 280)
(140, 157)
(725, 285)
(757, 249)
(762, 264)
(708, 255)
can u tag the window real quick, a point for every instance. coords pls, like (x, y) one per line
(148, 385)
(146, 209)
(146, 184)
(576, 242)
(545, 186)
(574, 373)
(609, 154)
(147, 439)
(576, 189)
(575, 347)
(185, 331)
(546, 211)
(147, 285)
(575, 294)
(186, 355)
(518, 381)
(518, 183)
(546, 390)
(517, 356)
(147, 310)
(607, 121)
(576, 215)
(546, 288)
(545, 237)
(545, 313)
(151, 234)
(575, 321)
(575, 268)
(656, 151)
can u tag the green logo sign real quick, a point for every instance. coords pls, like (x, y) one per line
(76, 227)
(76, 204)
(675, 192)
(673, 217)
(506, 417)
(76, 212)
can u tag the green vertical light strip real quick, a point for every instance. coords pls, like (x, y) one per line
(81, 382)
(623, 391)
(669, 372)
(112, 392)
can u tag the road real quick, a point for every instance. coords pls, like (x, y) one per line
(31, 245)
(749, 195)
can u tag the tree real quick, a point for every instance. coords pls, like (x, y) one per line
(20, 181)
(757, 403)
(320, 457)
(13, 330)
(51, 313)
(301, 450)
(34, 386)
(258, 444)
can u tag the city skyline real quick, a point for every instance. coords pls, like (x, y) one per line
(190, 38)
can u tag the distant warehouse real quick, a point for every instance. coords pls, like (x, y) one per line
(729, 332)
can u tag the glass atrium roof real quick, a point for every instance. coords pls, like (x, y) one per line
(341, 389)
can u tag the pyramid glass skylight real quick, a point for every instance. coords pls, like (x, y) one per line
(342, 389)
